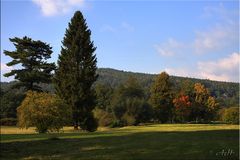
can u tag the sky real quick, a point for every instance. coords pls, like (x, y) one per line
(188, 38)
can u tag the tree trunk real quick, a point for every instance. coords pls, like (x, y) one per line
(75, 125)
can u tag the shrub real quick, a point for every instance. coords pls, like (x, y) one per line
(220, 114)
(43, 110)
(231, 115)
(129, 119)
(118, 123)
(132, 111)
(104, 118)
(145, 113)
(137, 111)
(8, 122)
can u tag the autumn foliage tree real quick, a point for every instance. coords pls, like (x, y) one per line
(212, 107)
(201, 93)
(182, 108)
(205, 106)
(44, 111)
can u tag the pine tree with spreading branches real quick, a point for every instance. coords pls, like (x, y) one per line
(30, 59)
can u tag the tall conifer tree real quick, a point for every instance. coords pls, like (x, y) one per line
(76, 73)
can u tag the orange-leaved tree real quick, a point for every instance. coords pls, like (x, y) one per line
(182, 107)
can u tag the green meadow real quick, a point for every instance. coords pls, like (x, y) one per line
(153, 141)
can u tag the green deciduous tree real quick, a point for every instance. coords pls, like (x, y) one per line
(43, 110)
(10, 100)
(161, 98)
(137, 111)
(129, 105)
(76, 73)
(32, 56)
(187, 88)
(104, 95)
(132, 88)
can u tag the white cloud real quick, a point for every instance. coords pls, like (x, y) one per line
(169, 48)
(215, 39)
(55, 7)
(221, 35)
(5, 69)
(208, 41)
(183, 72)
(220, 13)
(225, 69)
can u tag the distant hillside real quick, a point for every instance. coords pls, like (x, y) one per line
(226, 92)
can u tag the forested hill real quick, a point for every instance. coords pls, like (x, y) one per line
(226, 92)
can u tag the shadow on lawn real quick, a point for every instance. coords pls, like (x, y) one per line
(217, 144)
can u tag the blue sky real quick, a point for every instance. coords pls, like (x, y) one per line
(185, 38)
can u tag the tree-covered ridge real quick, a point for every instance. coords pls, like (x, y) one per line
(227, 93)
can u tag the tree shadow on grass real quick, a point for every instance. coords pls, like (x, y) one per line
(217, 144)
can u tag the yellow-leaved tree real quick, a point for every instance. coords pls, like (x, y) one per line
(44, 111)
(205, 105)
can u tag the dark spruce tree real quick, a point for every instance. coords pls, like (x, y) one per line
(76, 73)
(32, 56)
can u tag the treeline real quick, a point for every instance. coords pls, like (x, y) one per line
(130, 102)
(225, 93)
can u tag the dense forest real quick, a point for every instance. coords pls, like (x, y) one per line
(226, 93)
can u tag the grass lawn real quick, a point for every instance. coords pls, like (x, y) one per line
(162, 141)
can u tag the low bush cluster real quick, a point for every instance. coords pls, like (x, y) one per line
(230, 115)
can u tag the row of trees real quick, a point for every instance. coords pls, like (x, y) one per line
(129, 105)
